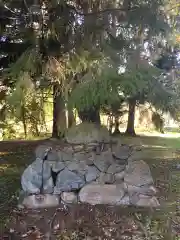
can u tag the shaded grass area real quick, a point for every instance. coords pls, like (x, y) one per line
(162, 224)
(14, 157)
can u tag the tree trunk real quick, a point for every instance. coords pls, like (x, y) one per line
(23, 113)
(59, 114)
(55, 113)
(37, 130)
(71, 119)
(91, 115)
(110, 123)
(116, 130)
(131, 117)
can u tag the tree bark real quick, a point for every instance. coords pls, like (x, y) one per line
(116, 121)
(59, 114)
(71, 119)
(131, 117)
(55, 113)
(23, 113)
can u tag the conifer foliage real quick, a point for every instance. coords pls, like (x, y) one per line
(89, 55)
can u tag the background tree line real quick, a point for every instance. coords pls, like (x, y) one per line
(88, 56)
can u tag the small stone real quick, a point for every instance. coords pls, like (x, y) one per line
(125, 200)
(82, 166)
(138, 148)
(91, 147)
(108, 178)
(100, 179)
(73, 166)
(67, 163)
(105, 178)
(101, 194)
(69, 197)
(138, 174)
(115, 168)
(68, 181)
(65, 156)
(121, 152)
(98, 150)
(92, 174)
(134, 198)
(106, 147)
(78, 148)
(52, 156)
(135, 156)
(103, 161)
(147, 190)
(58, 166)
(89, 162)
(79, 167)
(80, 156)
(148, 202)
(119, 176)
(20, 198)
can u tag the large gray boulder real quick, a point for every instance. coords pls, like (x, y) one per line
(85, 133)
(31, 179)
(68, 181)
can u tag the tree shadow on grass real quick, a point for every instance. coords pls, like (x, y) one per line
(152, 141)
(13, 161)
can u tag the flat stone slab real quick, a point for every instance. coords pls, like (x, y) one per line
(40, 201)
(101, 194)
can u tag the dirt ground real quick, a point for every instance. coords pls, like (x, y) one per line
(85, 222)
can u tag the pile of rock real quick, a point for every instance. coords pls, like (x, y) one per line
(91, 171)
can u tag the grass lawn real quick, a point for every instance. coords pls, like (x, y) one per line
(160, 152)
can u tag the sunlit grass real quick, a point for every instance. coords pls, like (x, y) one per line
(4, 167)
(5, 153)
(156, 141)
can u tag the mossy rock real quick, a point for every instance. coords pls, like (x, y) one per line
(85, 133)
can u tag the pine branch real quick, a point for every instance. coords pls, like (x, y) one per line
(106, 11)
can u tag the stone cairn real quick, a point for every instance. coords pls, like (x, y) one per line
(91, 169)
